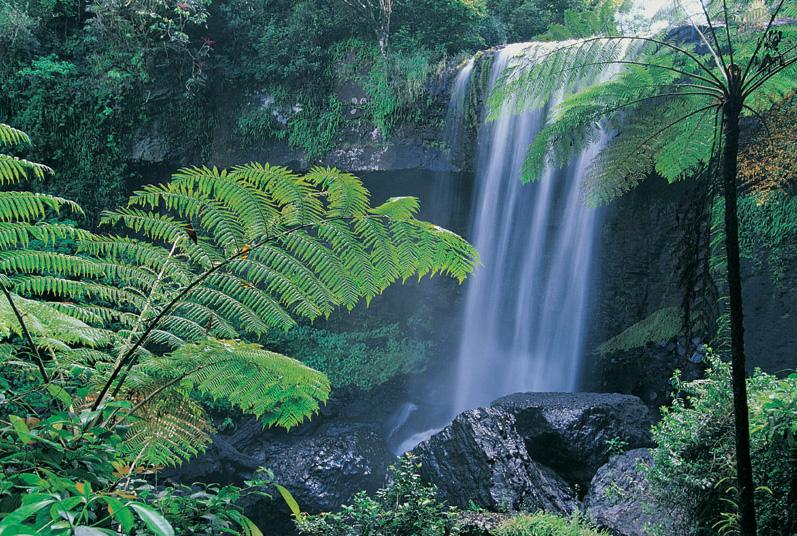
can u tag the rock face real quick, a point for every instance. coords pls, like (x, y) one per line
(323, 471)
(480, 457)
(568, 432)
(323, 467)
(619, 499)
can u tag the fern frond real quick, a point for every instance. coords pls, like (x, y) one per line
(29, 206)
(279, 390)
(12, 136)
(168, 431)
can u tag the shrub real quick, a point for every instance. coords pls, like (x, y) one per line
(694, 463)
(405, 506)
(362, 359)
(547, 525)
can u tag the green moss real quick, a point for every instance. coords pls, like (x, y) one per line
(662, 325)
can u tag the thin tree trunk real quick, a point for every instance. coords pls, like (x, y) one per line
(744, 468)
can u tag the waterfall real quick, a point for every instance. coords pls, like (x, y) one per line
(523, 322)
(445, 193)
(523, 326)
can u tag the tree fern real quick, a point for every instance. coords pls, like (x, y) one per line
(745, 63)
(212, 253)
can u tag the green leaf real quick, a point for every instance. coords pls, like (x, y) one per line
(152, 519)
(21, 428)
(248, 526)
(58, 392)
(291, 502)
(120, 512)
(24, 512)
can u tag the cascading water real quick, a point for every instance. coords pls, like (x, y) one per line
(523, 326)
(445, 196)
(524, 321)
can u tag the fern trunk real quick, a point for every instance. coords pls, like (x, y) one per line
(744, 469)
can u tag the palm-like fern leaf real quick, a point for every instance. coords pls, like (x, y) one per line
(224, 253)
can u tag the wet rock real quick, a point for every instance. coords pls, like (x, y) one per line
(619, 499)
(480, 457)
(323, 471)
(322, 466)
(568, 432)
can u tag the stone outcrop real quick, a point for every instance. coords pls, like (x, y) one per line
(568, 432)
(481, 458)
(619, 499)
(322, 467)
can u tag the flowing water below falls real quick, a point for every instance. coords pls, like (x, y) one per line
(525, 310)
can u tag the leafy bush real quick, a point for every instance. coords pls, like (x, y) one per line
(694, 463)
(405, 506)
(522, 20)
(448, 26)
(207, 509)
(362, 359)
(547, 525)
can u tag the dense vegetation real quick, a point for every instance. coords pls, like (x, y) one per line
(104, 84)
(110, 340)
(694, 464)
(130, 323)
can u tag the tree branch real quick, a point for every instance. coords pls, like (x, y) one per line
(26, 333)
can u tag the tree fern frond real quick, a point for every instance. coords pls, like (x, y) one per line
(75, 290)
(29, 206)
(345, 194)
(156, 226)
(290, 193)
(279, 390)
(250, 204)
(14, 170)
(169, 430)
(12, 136)
(48, 325)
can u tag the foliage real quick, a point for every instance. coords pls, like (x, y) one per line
(523, 20)
(110, 89)
(394, 89)
(80, 77)
(448, 25)
(219, 255)
(694, 462)
(124, 327)
(767, 162)
(769, 234)
(675, 141)
(662, 325)
(208, 509)
(546, 525)
(362, 359)
(405, 506)
(615, 446)
(58, 476)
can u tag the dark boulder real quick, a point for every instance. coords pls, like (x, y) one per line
(568, 432)
(322, 466)
(619, 499)
(480, 457)
(325, 470)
